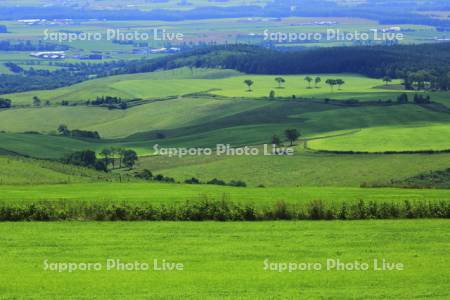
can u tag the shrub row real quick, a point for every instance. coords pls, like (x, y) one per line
(221, 210)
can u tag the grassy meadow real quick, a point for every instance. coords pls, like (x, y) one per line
(224, 83)
(24, 171)
(380, 139)
(220, 260)
(163, 193)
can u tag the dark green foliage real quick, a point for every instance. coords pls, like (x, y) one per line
(192, 180)
(221, 210)
(85, 134)
(403, 99)
(129, 158)
(421, 99)
(13, 67)
(237, 183)
(272, 95)
(5, 103)
(144, 174)
(110, 102)
(216, 181)
(100, 166)
(276, 140)
(162, 178)
(292, 135)
(82, 158)
(76, 133)
(28, 45)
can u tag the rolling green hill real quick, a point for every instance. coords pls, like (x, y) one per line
(18, 170)
(303, 169)
(224, 82)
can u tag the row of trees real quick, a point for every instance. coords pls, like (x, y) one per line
(280, 80)
(88, 158)
(119, 157)
(65, 131)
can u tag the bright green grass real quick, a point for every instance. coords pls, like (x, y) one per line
(267, 117)
(144, 85)
(160, 115)
(156, 85)
(303, 169)
(17, 170)
(164, 193)
(226, 260)
(395, 138)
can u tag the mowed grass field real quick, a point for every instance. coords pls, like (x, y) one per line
(225, 83)
(301, 170)
(380, 139)
(226, 260)
(163, 193)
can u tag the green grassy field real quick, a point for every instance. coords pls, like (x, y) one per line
(379, 139)
(303, 169)
(161, 193)
(156, 85)
(226, 260)
(18, 170)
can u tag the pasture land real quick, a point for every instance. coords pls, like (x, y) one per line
(19, 170)
(301, 170)
(392, 138)
(226, 260)
(163, 193)
(158, 85)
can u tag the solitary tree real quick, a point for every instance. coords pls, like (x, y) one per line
(331, 83)
(276, 140)
(309, 80)
(63, 130)
(272, 95)
(249, 83)
(317, 80)
(340, 82)
(387, 80)
(36, 101)
(129, 158)
(292, 135)
(280, 81)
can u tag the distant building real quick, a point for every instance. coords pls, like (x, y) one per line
(165, 50)
(32, 21)
(49, 55)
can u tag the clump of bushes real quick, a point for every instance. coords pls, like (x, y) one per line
(148, 175)
(221, 210)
